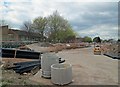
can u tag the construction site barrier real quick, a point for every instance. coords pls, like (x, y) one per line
(11, 53)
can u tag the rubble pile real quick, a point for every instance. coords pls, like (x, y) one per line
(25, 67)
(111, 50)
(48, 47)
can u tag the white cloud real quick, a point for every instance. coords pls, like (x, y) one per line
(82, 16)
(63, 0)
(104, 31)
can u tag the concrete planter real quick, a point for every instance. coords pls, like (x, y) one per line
(61, 74)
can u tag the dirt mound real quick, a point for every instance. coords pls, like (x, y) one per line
(111, 50)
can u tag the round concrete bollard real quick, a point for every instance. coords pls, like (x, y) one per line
(61, 74)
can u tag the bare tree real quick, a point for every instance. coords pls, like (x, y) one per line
(27, 26)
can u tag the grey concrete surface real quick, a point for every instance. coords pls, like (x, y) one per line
(87, 68)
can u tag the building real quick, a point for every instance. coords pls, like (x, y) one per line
(79, 39)
(18, 35)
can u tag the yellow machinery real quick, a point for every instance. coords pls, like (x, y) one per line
(97, 50)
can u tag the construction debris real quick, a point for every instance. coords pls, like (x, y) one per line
(26, 67)
(48, 47)
(12, 53)
(111, 50)
(8, 65)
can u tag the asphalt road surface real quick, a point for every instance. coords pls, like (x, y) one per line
(87, 68)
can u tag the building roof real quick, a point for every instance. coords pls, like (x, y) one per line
(22, 32)
(25, 33)
(3, 26)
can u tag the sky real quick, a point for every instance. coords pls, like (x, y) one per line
(87, 17)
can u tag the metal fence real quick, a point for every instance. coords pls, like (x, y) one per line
(15, 44)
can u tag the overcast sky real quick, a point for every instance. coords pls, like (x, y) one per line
(88, 18)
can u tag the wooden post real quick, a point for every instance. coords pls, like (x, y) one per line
(15, 53)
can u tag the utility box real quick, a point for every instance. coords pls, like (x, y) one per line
(61, 74)
(47, 59)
